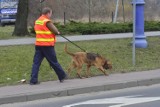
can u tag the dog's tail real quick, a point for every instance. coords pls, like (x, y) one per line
(65, 49)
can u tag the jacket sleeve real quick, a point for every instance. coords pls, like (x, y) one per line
(52, 28)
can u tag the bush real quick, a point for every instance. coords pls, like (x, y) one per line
(73, 28)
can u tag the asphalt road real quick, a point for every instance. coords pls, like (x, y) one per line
(146, 96)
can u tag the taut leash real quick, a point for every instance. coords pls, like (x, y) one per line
(73, 43)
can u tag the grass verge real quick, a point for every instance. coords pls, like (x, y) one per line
(16, 61)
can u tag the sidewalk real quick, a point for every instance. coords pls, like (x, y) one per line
(50, 89)
(26, 41)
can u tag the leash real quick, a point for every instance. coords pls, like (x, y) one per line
(73, 43)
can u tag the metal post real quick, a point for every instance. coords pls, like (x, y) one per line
(64, 18)
(123, 10)
(89, 11)
(64, 11)
(134, 28)
(41, 1)
(112, 16)
(116, 12)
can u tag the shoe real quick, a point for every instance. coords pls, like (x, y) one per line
(63, 79)
(35, 83)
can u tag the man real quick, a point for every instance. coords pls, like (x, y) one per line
(44, 46)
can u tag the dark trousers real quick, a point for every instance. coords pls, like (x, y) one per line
(47, 52)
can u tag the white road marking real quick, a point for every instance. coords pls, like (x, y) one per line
(118, 101)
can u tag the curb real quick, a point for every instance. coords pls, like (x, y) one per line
(79, 90)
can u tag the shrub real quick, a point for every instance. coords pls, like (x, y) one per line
(100, 28)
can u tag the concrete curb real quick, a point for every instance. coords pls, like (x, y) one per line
(78, 90)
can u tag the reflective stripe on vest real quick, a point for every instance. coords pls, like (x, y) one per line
(39, 22)
(43, 32)
(44, 39)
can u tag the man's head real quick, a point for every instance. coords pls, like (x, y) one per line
(47, 11)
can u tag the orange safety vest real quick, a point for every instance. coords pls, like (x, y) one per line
(44, 37)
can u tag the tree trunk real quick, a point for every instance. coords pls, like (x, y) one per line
(21, 19)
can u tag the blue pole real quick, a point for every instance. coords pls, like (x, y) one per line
(140, 38)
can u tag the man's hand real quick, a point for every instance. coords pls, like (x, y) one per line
(58, 33)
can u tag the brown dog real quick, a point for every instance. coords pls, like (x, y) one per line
(90, 59)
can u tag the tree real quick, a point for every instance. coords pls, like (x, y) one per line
(21, 19)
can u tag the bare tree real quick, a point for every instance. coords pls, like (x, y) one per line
(21, 19)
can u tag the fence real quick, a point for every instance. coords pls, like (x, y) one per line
(92, 10)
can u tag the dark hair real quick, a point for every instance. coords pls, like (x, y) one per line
(46, 10)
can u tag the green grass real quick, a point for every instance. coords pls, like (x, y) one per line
(16, 61)
(6, 33)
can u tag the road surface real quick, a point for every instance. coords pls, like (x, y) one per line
(146, 96)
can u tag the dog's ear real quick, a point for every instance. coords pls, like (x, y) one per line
(109, 64)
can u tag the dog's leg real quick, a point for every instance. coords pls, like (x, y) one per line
(101, 69)
(72, 66)
(79, 68)
(88, 71)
